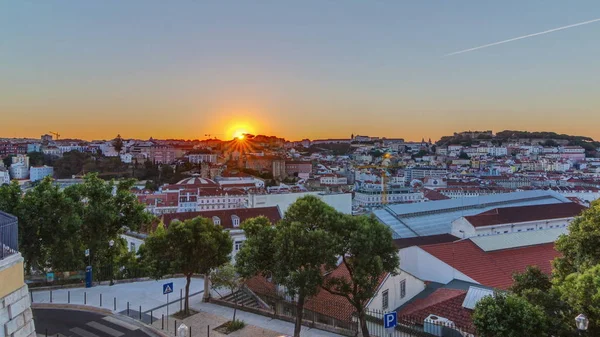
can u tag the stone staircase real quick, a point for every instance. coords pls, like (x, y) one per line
(243, 299)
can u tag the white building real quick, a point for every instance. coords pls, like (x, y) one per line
(342, 202)
(39, 172)
(333, 179)
(516, 219)
(198, 158)
(19, 171)
(394, 291)
(4, 176)
(126, 158)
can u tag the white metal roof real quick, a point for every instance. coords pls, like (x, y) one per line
(474, 295)
(435, 217)
(518, 239)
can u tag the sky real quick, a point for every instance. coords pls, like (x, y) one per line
(303, 69)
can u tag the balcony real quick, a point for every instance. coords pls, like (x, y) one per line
(9, 235)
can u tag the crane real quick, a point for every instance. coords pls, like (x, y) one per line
(384, 199)
(56, 134)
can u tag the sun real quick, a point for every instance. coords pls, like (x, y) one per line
(240, 134)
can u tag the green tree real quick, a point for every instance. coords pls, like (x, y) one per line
(50, 229)
(368, 252)
(507, 315)
(301, 247)
(579, 249)
(581, 291)
(71, 163)
(10, 198)
(532, 278)
(195, 246)
(105, 208)
(536, 287)
(463, 155)
(117, 143)
(227, 277)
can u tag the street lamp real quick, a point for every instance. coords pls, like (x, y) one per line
(582, 323)
(111, 243)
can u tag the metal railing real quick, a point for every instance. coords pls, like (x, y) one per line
(9, 235)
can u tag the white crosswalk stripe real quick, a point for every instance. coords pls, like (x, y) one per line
(105, 329)
(83, 333)
(120, 323)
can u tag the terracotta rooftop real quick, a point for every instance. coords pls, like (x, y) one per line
(493, 269)
(508, 215)
(443, 302)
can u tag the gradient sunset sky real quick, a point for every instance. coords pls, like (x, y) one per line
(303, 69)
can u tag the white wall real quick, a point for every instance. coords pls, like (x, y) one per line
(470, 231)
(131, 239)
(392, 285)
(342, 202)
(425, 266)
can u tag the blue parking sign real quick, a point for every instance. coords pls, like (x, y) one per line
(390, 320)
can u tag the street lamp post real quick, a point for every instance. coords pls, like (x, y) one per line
(582, 323)
(111, 243)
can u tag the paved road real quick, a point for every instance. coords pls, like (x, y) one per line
(74, 323)
(147, 294)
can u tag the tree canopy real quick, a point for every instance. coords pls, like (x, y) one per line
(195, 246)
(508, 315)
(294, 252)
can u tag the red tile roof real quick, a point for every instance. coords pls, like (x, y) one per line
(443, 302)
(272, 213)
(493, 269)
(433, 195)
(508, 215)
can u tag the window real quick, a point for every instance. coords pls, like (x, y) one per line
(216, 220)
(384, 299)
(238, 245)
(235, 220)
(402, 288)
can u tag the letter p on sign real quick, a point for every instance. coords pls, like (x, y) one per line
(390, 320)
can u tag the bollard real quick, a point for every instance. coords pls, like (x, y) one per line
(114, 303)
(175, 328)
(100, 300)
(190, 329)
(46, 332)
(208, 330)
(127, 309)
(68, 296)
(151, 317)
(162, 325)
(31, 295)
(50, 296)
(180, 299)
(84, 297)
(140, 312)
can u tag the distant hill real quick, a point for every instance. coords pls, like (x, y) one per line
(544, 137)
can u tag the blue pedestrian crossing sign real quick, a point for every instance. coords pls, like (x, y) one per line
(390, 320)
(167, 288)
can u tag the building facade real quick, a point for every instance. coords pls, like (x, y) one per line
(16, 318)
(40, 172)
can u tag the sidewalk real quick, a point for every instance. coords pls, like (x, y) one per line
(147, 294)
(282, 327)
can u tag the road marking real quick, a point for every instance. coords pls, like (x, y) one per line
(105, 329)
(83, 333)
(120, 323)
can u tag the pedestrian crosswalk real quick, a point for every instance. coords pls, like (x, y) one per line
(107, 326)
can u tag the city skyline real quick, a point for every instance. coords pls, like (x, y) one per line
(311, 70)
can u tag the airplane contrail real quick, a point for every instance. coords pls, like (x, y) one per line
(523, 37)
